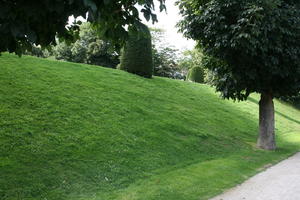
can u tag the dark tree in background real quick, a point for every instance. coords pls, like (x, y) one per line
(256, 45)
(23, 23)
(136, 56)
(294, 100)
(90, 48)
(165, 62)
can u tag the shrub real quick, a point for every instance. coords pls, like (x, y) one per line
(38, 52)
(196, 74)
(63, 51)
(136, 56)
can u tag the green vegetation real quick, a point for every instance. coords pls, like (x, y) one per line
(90, 48)
(136, 56)
(78, 132)
(196, 74)
(41, 22)
(190, 59)
(165, 56)
(256, 44)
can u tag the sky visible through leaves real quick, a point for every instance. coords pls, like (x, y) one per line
(166, 21)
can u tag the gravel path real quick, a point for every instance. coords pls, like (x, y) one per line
(280, 182)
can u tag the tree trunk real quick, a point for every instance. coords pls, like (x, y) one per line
(266, 137)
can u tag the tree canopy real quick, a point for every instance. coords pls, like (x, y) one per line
(256, 43)
(23, 23)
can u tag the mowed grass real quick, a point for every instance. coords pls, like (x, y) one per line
(80, 132)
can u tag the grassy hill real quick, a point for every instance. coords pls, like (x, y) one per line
(80, 132)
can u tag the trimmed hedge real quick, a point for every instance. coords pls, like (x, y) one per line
(196, 74)
(136, 56)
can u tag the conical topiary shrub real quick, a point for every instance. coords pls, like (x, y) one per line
(196, 74)
(136, 56)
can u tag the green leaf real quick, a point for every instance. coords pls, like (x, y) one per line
(146, 14)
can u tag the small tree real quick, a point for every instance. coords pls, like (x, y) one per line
(165, 62)
(196, 74)
(136, 56)
(257, 47)
(165, 56)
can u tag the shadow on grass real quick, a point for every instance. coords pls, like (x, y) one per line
(277, 112)
(287, 117)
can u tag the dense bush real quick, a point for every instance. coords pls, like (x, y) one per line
(136, 56)
(196, 74)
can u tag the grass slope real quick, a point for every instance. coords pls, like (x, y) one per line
(72, 131)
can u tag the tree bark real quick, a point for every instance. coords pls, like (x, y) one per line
(266, 136)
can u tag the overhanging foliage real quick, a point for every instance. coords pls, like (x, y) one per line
(23, 23)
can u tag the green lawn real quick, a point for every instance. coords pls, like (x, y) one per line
(71, 131)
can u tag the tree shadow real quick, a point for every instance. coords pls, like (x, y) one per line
(287, 117)
(277, 112)
(251, 99)
(294, 105)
